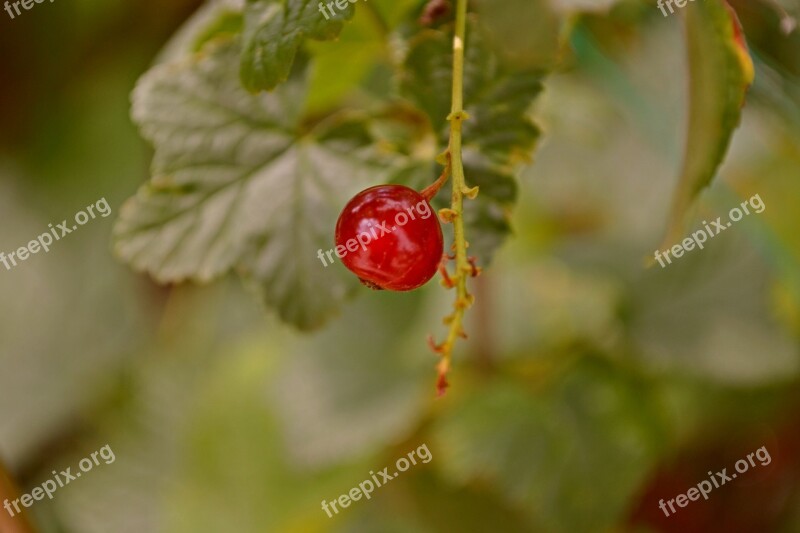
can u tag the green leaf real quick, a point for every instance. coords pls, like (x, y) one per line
(499, 135)
(720, 72)
(571, 456)
(274, 30)
(426, 76)
(332, 78)
(238, 181)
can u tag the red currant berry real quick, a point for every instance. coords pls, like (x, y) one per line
(396, 237)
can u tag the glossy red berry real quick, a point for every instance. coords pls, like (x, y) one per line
(389, 236)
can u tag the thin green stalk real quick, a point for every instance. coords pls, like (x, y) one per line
(456, 212)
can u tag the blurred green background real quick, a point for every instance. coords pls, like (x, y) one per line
(590, 388)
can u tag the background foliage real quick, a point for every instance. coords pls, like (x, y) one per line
(590, 388)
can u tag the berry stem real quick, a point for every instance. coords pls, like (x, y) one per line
(456, 212)
(431, 190)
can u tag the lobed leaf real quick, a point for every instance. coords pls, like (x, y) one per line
(241, 181)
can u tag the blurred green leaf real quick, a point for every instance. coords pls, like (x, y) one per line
(720, 72)
(339, 66)
(571, 456)
(273, 32)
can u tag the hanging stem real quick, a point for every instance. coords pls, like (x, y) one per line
(455, 213)
(431, 190)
